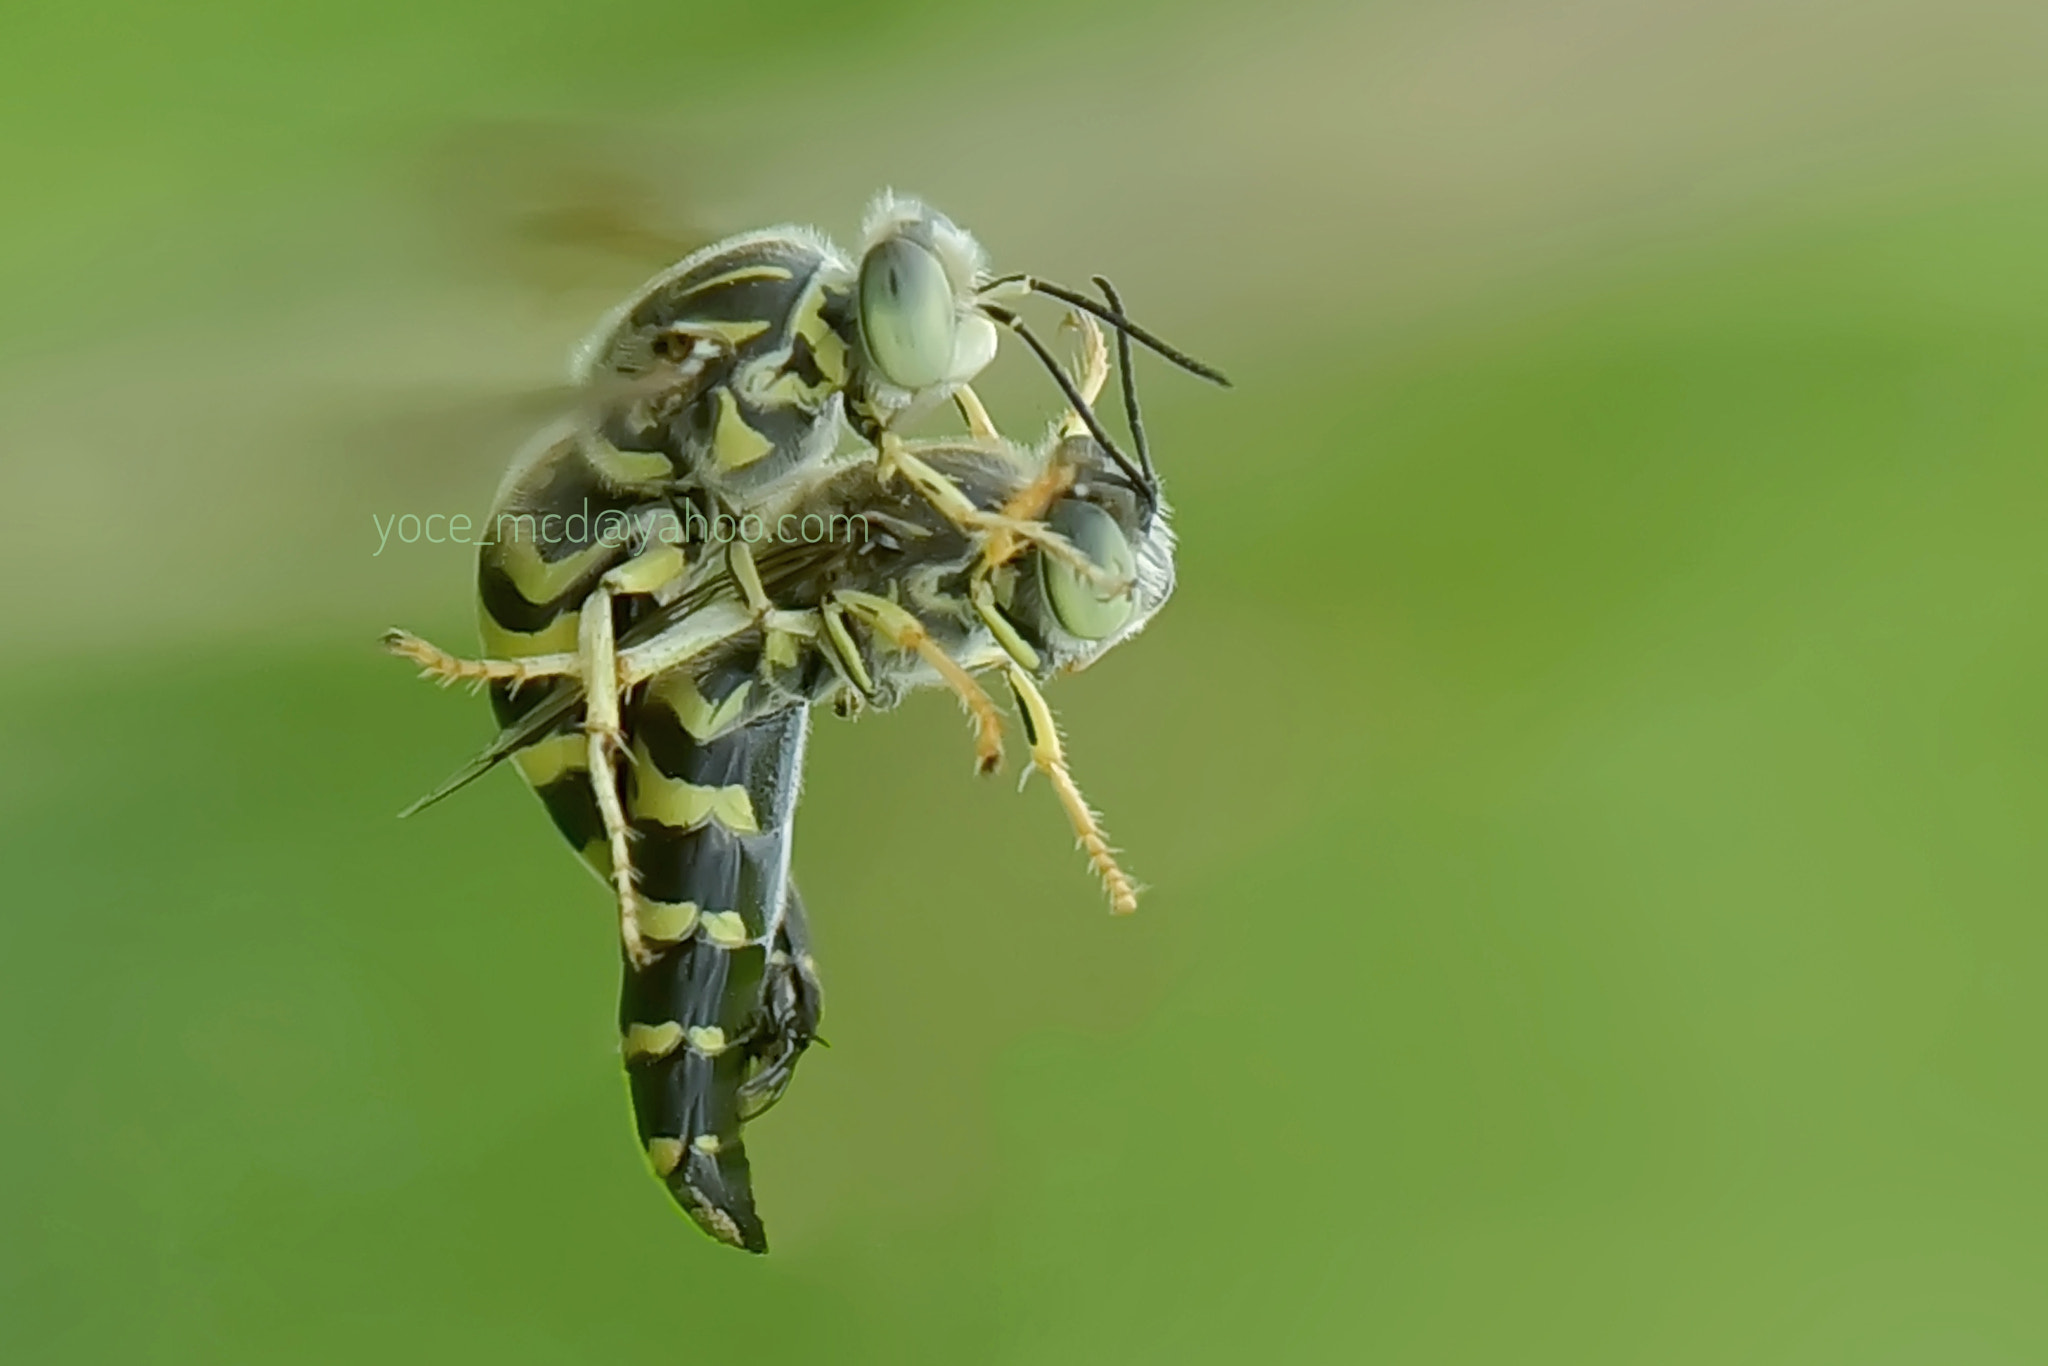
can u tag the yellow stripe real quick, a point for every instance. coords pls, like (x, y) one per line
(789, 391)
(733, 333)
(546, 760)
(558, 637)
(649, 570)
(739, 276)
(664, 1154)
(779, 650)
(679, 692)
(726, 929)
(628, 469)
(735, 445)
(652, 1041)
(685, 805)
(542, 581)
(826, 347)
(665, 922)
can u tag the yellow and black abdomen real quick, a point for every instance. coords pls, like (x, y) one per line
(712, 1027)
(553, 533)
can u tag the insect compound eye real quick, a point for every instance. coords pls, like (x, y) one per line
(1083, 607)
(907, 320)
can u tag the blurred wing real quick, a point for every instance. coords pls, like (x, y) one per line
(556, 207)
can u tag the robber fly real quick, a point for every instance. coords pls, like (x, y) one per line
(668, 742)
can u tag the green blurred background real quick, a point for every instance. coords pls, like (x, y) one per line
(1591, 777)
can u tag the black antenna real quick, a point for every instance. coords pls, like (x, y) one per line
(1130, 388)
(1133, 473)
(1114, 317)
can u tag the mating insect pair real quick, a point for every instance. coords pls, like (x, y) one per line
(656, 693)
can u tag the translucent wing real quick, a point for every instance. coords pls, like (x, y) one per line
(558, 207)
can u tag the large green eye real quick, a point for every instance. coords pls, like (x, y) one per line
(906, 314)
(1083, 607)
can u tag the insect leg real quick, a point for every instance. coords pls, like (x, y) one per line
(1027, 505)
(437, 664)
(1047, 756)
(604, 744)
(603, 736)
(1079, 404)
(906, 632)
(780, 630)
(1022, 512)
(978, 422)
(999, 626)
(843, 654)
(956, 507)
(789, 1013)
(689, 639)
(1094, 371)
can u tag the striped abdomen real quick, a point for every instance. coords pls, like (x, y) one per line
(542, 554)
(713, 1026)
